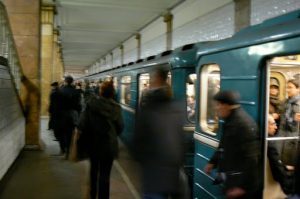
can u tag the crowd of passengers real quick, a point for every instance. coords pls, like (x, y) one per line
(283, 122)
(158, 139)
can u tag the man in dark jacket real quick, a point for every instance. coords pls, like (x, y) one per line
(69, 107)
(159, 139)
(278, 170)
(238, 155)
(53, 104)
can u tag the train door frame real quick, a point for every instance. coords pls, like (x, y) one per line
(282, 79)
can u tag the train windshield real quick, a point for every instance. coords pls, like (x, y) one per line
(282, 126)
(210, 85)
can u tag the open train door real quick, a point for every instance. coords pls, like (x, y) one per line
(282, 149)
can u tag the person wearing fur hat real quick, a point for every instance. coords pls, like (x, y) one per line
(238, 155)
(275, 105)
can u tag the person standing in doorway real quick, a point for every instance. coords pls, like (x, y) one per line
(238, 155)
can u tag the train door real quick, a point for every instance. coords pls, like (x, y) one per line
(282, 150)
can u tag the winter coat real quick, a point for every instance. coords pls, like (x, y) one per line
(69, 107)
(100, 123)
(275, 105)
(158, 141)
(289, 128)
(53, 108)
(238, 154)
(277, 167)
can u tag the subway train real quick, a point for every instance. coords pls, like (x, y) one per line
(130, 80)
(246, 62)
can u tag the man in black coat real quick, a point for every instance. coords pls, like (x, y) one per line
(238, 155)
(159, 139)
(53, 105)
(278, 170)
(54, 115)
(69, 108)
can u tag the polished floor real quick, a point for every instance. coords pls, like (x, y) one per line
(46, 175)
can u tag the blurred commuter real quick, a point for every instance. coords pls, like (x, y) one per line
(158, 140)
(69, 108)
(277, 167)
(53, 104)
(275, 107)
(289, 125)
(191, 103)
(88, 92)
(296, 193)
(97, 88)
(238, 155)
(100, 123)
(54, 115)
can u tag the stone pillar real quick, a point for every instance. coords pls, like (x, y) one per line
(242, 14)
(139, 49)
(168, 19)
(57, 67)
(61, 67)
(46, 56)
(24, 18)
(122, 54)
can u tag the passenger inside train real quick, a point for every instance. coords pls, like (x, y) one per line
(285, 111)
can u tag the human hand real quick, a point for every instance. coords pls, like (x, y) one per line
(235, 192)
(208, 168)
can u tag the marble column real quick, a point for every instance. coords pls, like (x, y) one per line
(47, 50)
(24, 19)
(242, 14)
(168, 19)
(57, 67)
(122, 54)
(138, 39)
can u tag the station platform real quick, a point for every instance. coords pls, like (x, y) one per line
(46, 175)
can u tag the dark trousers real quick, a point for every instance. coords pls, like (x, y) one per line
(100, 168)
(252, 195)
(64, 137)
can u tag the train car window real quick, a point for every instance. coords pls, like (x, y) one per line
(108, 78)
(125, 90)
(169, 79)
(190, 97)
(210, 85)
(115, 81)
(144, 80)
(282, 126)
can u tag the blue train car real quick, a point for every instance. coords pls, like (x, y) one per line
(247, 63)
(130, 81)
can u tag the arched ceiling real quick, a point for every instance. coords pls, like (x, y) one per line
(89, 29)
